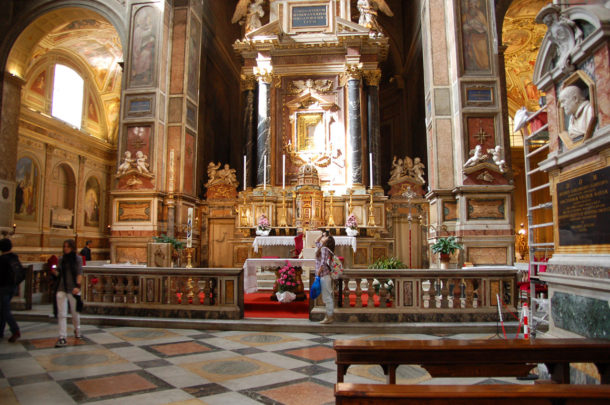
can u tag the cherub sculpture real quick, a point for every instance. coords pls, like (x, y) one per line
(496, 155)
(227, 175)
(477, 157)
(251, 11)
(212, 172)
(127, 162)
(141, 163)
(397, 169)
(368, 13)
(418, 169)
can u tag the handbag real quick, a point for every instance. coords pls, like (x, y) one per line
(315, 289)
(336, 268)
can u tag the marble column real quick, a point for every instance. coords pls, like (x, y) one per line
(9, 124)
(263, 140)
(372, 79)
(354, 75)
(248, 87)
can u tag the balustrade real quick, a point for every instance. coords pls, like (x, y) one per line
(448, 295)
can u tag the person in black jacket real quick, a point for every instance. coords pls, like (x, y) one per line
(7, 288)
(86, 251)
(70, 274)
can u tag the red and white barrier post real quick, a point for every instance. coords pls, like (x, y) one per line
(526, 331)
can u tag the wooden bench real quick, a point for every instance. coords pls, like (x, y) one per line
(476, 358)
(497, 394)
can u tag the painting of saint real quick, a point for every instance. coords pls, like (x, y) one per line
(27, 189)
(475, 35)
(92, 202)
(91, 111)
(39, 84)
(143, 47)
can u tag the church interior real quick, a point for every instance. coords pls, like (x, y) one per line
(458, 151)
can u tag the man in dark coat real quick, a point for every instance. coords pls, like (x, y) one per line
(8, 262)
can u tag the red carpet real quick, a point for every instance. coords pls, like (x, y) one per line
(259, 305)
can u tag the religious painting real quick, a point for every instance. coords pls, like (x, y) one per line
(112, 118)
(193, 58)
(92, 202)
(133, 211)
(92, 110)
(311, 134)
(26, 194)
(189, 157)
(138, 139)
(143, 47)
(475, 36)
(39, 84)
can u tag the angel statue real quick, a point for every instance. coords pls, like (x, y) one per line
(251, 11)
(368, 13)
(141, 163)
(477, 157)
(126, 164)
(397, 169)
(418, 170)
(496, 155)
(212, 173)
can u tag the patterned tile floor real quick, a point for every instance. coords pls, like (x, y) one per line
(113, 365)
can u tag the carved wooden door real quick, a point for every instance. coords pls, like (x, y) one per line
(220, 248)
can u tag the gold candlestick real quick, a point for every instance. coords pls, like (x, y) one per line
(189, 265)
(371, 221)
(349, 206)
(331, 220)
(282, 221)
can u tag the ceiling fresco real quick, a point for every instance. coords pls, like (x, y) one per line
(522, 38)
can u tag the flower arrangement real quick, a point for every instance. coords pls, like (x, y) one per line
(388, 263)
(263, 223)
(352, 222)
(287, 279)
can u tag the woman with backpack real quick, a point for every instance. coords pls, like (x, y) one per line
(324, 256)
(70, 274)
(9, 263)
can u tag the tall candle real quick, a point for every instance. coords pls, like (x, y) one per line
(245, 172)
(265, 172)
(283, 172)
(189, 228)
(371, 170)
(171, 171)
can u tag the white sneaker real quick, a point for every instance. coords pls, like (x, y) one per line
(328, 319)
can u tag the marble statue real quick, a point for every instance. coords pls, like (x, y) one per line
(477, 157)
(126, 164)
(564, 33)
(397, 169)
(141, 163)
(212, 171)
(251, 11)
(226, 175)
(496, 155)
(580, 110)
(418, 169)
(368, 13)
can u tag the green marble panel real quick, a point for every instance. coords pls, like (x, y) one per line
(585, 316)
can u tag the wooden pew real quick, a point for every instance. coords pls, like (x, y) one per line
(476, 358)
(500, 394)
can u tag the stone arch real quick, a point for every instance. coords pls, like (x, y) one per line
(63, 188)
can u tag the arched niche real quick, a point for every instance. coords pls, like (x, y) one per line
(62, 196)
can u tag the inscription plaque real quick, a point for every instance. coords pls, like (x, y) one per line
(584, 209)
(309, 16)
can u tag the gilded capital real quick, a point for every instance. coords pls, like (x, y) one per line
(264, 75)
(353, 71)
(248, 82)
(372, 77)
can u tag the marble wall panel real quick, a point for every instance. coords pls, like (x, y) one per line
(487, 255)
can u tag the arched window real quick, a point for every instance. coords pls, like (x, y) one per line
(68, 96)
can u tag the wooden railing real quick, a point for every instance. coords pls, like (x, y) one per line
(422, 295)
(164, 292)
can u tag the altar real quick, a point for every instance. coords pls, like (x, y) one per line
(251, 265)
(262, 241)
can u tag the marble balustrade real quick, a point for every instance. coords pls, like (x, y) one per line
(423, 295)
(164, 292)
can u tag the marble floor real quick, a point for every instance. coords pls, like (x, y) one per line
(118, 365)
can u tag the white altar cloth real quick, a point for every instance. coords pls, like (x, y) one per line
(251, 265)
(289, 241)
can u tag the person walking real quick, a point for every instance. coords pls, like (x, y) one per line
(325, 245)
(8, 261)
(70, 274)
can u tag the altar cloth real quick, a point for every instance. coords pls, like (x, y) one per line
(260, 241)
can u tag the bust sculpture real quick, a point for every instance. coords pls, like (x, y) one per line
(580, 110)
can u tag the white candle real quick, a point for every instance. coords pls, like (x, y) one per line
(371, 170)
(264, 172)
(245, 172)
(189, 228)
(283, 172)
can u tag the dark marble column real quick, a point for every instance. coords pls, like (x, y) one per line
(248, 87)
(355, 124)
(374, 133)
(264, 126)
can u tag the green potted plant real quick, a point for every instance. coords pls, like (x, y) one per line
(445, 247)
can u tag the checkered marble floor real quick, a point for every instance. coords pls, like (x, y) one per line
(118, 365)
